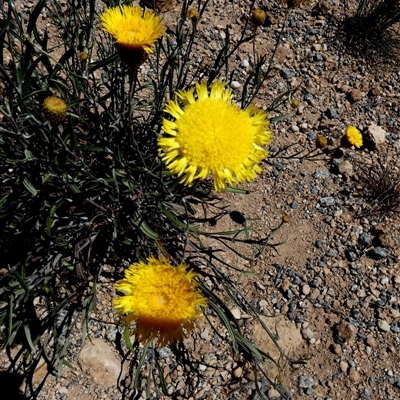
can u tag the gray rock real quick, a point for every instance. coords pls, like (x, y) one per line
(365, 238)
(305, 382)
(379, 252)
(327, 201)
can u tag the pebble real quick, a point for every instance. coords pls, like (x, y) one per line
(383, 325)
(273, 393)
(245, 63)
(346, 331)
(306, 290)
(379, 252)
(235, 85)
(354, 375)
(327, 201)
(305, 382)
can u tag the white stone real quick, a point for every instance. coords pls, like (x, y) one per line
(235, 85)
(99, 360)
(377, 134)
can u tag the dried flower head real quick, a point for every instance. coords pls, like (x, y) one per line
(285, 219)
(193, 14)
(55, 109)
(211, 136)
(84, 56)
(161, 299)
(321, 141)
(134, 30)
(353, 136)
(258, 17)
(294, 103)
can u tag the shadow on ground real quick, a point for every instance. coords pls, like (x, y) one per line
(10, 386)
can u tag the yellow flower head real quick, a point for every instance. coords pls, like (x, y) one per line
(258, 17)
(162, 299)
(353, 136)
(55, 109)
(211, 136)
(134, 30)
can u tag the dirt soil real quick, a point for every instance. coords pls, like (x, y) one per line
(331, 288)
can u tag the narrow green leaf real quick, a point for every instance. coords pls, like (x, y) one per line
(30, 187)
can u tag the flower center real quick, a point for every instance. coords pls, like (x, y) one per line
(215, 134)
(163, 299)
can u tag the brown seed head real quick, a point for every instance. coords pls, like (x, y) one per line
(258, 17)
(84, 56)
(285, 219)
(55, 109)
(193, 14)
(321, 141)
(294, 103)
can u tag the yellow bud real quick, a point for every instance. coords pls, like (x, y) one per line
(285, 219)
(55, 109)
(193, 14)
(84, 56)
(258, 17)
(321, 141)
(294, 103)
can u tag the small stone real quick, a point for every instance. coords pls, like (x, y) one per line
(62, 390)
(327, 201)
(354, 375)
(365, 238)
(344, 366)
(286, 74)
(375, 91)
(305, 382)
(236, 313)
(238, 372)
(273, 393)
(384, 280)
(332, 253)
(386, 240)
(306, 290)
(336, 349)
(379, 252)
(235, 85)
(371, 341)
(354, 95)
(99, 360)
(244, 63)
(346, 331)
(383, 325)
(346, 168)
(376, 135)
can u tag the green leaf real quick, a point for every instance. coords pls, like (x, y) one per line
(30, 187)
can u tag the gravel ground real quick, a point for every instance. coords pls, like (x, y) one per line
(331, 289)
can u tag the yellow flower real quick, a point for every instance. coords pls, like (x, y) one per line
(134, 30)
(211, 136)
(55, 109)
(353, 136)
(193, 14)
(162, 299)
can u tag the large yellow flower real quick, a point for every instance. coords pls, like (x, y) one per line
(134, 30)
(353, 136)
(162, 299)
(211, 136)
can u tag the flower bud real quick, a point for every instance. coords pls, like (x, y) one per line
(55, 109)
(258, 17)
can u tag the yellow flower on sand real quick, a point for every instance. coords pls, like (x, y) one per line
(209, 135)
(134, 30)
(354, 136)
(162, 299)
